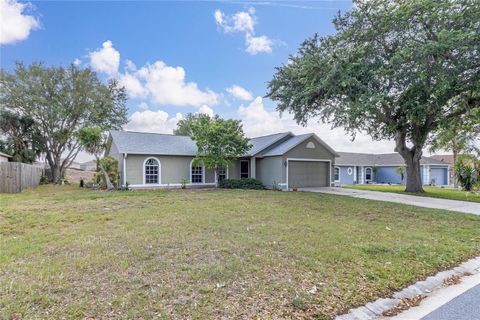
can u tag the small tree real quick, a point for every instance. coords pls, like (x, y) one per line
(400, 170)
(93, 141)
(467, 170)
(110, 166)
(219, 142)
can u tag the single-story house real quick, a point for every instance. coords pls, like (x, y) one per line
(283, 160)
(4, 157)
(362, 168)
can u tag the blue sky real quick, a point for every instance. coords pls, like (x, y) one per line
(176, 57)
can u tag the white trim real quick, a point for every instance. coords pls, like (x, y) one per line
(170, 185)
(390, 165)
(248, 167)
(159, 172)
(312, 160)
(338, 173)
(203, 174)
(349, 171)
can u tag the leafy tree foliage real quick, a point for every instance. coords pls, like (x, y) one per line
(391, 71)
(184, 126)
(400, 170)
(461, 135)
(21, 141)
(219, 141)
(61, 101)
(110, 167)
(94, 142)
(467, 170)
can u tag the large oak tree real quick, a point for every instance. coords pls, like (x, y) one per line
(61, 101)
(390, 70)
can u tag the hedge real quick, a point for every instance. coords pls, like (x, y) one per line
(246, 183)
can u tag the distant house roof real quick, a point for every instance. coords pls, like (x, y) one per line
(293, 142)
(5, 155)
(385, 159)
(447, 158)
(167, 144)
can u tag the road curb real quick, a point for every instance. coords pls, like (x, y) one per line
(374, 310)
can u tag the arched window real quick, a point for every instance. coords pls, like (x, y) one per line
(336, 173)
(368, 174)
(152, 171)
(310, 145)
(196, 173)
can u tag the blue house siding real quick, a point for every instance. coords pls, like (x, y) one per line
(438, 176)
(346, 178)
(388, 175)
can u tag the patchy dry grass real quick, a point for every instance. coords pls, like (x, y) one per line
(433, 192)
(70, 253)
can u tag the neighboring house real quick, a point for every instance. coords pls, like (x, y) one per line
(89, 165)
(448, 159)
(4, 157)
(358, 168)
(162, 160)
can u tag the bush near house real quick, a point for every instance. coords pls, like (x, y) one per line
(246, 183)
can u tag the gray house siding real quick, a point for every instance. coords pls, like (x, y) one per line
(320, 152)
(173, 169)
(271, 170)
(113, 152)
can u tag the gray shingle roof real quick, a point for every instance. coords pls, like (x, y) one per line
(168, 144)
(370, 159)
(287, 145)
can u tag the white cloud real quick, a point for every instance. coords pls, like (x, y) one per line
(130, 66)
(206, 110)
(143, 106)
(239, 92)
(14, 24)
(134, 87)
(167, 86)
(258, 121)
(258, 44)
(244, 21)
(77, 62)
(106, 59)
(153, 121)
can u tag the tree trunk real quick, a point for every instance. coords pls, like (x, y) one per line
(454, 173)
(105, 174)
(412, 158)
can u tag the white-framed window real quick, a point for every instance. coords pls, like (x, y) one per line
(222, 175)
(336, 173)
(349, 171)
(368, 174)
(244, 172)
(152, 171)
(311, 145)
(197, 174)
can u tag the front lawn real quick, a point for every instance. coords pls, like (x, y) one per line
(434, 192)
(70, 253)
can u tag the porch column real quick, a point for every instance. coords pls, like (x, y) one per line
(355, 180)
(362, 175)
(124, 182)
(253, 167)
(426, 174)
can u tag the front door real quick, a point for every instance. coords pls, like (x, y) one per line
(243, 169)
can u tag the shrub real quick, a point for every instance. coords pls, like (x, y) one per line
(466, 170)
(246, 183)
(43, 179)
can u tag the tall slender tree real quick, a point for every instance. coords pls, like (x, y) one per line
(390, 70)
(61, 101)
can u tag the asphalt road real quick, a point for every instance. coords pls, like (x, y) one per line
(464, 307)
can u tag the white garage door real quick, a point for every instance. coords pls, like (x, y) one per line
(308, 174)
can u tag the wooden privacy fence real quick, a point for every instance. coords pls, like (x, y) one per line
(16, 176)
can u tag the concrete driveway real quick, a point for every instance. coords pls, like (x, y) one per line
(427, 202)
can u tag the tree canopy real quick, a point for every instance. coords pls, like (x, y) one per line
(219, 141)
(184, 126)
(390, 70)
(61, 101)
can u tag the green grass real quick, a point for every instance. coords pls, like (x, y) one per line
(70, 253)
(434, 192)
